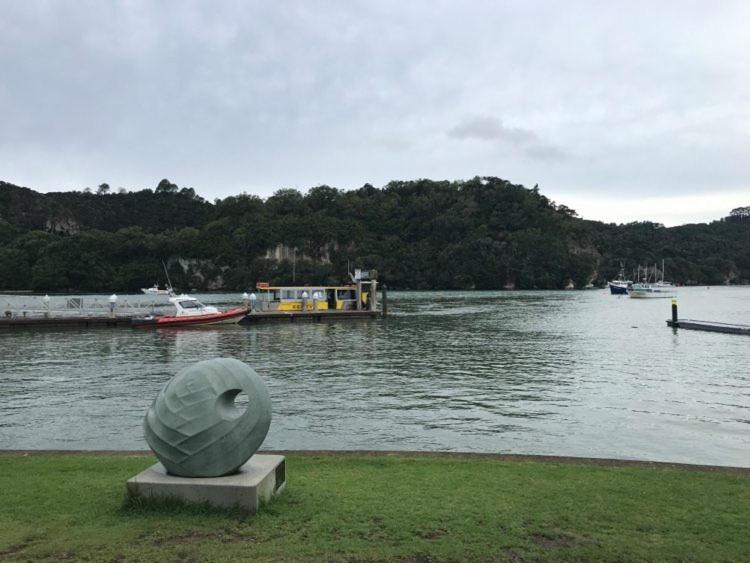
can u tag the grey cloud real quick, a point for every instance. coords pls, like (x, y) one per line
(253, 95)
(487, 128)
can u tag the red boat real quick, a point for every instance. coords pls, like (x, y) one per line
(191, 312)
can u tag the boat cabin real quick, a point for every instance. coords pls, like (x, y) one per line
(189, 306)
(310, 298)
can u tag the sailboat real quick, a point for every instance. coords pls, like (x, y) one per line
(657, 290)
(156, 290)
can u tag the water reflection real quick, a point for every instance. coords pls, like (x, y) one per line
(570, 373)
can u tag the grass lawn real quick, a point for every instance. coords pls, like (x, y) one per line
(364, 508)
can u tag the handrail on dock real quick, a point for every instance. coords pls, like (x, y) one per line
(30, 306)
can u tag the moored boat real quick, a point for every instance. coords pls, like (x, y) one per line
(660, 289)
(650, 291)
(156, 290)
(315, 298)
(191, 312)
(620, 285)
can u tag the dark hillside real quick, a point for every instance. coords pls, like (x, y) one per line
(483, 233)
(70, 212)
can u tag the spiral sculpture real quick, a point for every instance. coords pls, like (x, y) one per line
(194, 426)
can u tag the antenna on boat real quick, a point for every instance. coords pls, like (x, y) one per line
(169, 282)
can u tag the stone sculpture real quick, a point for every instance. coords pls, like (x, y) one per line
(194, 426)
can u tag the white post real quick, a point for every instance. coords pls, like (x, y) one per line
(112, 305)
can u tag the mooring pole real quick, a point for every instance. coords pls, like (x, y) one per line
(674, 313)
(384, 299)
(372, 302)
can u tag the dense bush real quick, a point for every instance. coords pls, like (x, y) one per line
(484, 233)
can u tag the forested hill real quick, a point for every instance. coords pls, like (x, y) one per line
(484, 233)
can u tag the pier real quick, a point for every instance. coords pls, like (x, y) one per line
(707, 326)
(710, 326)
(119, 321)
(65, 322)
(33, 311)
(291, 304)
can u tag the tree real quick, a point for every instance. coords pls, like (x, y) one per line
(103, 189)
(166, 187)
(739, 214)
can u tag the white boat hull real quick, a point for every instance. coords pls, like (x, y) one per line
(651, 294)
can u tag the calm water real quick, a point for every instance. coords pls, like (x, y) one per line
(566, 373)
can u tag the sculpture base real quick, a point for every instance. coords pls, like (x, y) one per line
(262, 477)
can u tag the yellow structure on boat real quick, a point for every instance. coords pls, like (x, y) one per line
(314, 298)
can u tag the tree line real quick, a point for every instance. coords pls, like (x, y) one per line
(483, 233)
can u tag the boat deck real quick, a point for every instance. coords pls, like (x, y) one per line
(710, 326)
(314, 316)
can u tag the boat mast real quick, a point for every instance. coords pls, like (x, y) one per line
(169, 282)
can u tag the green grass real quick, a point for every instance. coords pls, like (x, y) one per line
(345, 508)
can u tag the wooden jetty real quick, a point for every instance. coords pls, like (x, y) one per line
(706, 326)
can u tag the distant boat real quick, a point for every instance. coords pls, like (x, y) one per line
(191, 312)
(620, 285)
(650, 291)
(657, 290)
(155, 290)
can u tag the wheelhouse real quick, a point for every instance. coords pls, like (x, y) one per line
(309, 298)
(189, 306)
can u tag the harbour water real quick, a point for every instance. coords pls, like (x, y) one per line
(558, 373)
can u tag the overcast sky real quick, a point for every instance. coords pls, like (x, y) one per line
(621, 110)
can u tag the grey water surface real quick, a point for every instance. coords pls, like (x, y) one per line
(559, 373)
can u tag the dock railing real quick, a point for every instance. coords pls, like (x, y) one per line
(14, 306)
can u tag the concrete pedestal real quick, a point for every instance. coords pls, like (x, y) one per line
(262, 477)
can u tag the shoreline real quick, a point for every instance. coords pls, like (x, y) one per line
(551, 459)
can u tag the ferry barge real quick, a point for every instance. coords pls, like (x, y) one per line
(357, 299)
(310, 298)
